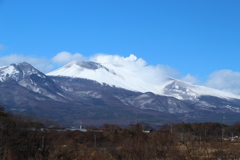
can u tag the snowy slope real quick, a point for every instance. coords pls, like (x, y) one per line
(27, 76)
(118, 76)
(18, 71)
(185, 91)
(6, 71)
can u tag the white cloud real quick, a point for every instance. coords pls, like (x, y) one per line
(191, 79)
(2, 47)
(66, 57)
(41, 64)
(132, 62)
(226, 80)
(138, 67)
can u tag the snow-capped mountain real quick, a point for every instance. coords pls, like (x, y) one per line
(119, 77)
(27, 76)
(18, 71)
(103, 93)
(68, 100)
(185, 91)
(202, 97)
(115, 76)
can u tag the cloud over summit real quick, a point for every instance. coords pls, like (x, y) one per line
(66, 57)
(136, 66)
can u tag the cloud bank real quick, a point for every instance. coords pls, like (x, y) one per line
(225, 80)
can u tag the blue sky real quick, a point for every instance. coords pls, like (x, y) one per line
(197, 39)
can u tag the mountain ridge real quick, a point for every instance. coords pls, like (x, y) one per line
(196, 90)
(70, 99)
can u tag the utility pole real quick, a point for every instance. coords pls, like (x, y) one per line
(80, 125)
(182, 135)
(137, 118)
(200, 142)
(223, 128)
(95, 141)
(205, 135)
(223, 132)
(42, 142)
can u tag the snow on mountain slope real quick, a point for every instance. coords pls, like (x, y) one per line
(151, 101)
(5, 71)
(27, 76)
(18, 71)
(185, 91)
(119, 76)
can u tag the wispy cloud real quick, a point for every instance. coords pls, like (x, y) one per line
(191, 79)
(2, 47)
(66, 57)
(226, 80)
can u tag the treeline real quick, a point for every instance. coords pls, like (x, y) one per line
(22, 138)
(204, 128)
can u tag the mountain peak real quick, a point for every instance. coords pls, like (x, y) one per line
(22, 64)
(84, 64)
(123, 78)
(82, 69)
(185, 91)
(110, 75)
(17, 71)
